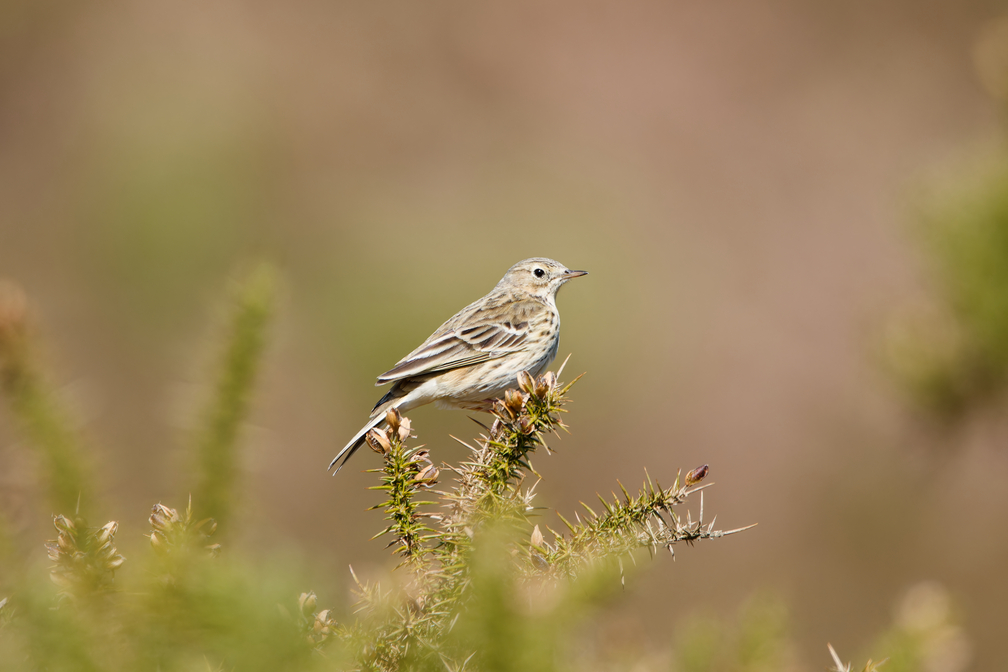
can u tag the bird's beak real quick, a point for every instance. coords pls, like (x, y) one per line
(573, 274)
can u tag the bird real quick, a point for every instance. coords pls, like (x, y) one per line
(477, 354)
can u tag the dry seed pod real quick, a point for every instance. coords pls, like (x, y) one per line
(502, 411)
(421, 456)
(696, 475)
(163, 518)
(525, 382)
(63, 524)
(393, 418)
(427, 476)
(550, 380)
(65, 543)
(404, 428)
(106, 533)
(378, 440)
(514, 401)
(525, 425)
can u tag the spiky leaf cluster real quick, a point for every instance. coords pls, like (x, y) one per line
(173, 533)
(410, 625)
(85, 560)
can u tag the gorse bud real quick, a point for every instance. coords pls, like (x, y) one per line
(526, 382)
(696, 475)
(537, 537)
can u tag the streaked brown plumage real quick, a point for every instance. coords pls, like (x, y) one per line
(477, 354)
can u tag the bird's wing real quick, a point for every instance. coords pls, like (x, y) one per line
(469, 338)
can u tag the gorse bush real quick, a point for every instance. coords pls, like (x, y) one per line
(483, 582)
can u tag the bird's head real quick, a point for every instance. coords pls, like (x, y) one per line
(539, 277)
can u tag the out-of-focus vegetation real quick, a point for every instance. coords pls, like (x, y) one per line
(951, 353)
(484, 583)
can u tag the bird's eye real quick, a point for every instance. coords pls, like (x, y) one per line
(539, 272)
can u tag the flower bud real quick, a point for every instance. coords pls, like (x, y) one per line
(537, 537)
(696, 475)
(525, 425)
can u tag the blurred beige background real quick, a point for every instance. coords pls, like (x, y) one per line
(738, 177)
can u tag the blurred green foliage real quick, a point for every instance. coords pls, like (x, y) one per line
(481, 586)
(962, 351)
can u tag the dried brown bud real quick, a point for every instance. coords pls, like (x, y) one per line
(163, 518)
(404, 429)
(158, 542)
(514, 400)
(307, 603)
(696, 475)
(428, 475)
(525, 425)
(63, 524)
(422, 455)
(66, 543)
(378, 440)
(501, 410)
(525, 382)
(537, 537)
(106, 533)
(392, 418)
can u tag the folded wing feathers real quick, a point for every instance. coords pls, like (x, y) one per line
(458, 348)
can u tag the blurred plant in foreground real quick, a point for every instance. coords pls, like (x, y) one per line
(926, 636)
(484, 582)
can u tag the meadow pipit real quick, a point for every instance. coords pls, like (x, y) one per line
(477, 354)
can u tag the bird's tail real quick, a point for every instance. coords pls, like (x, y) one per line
(355, 443)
